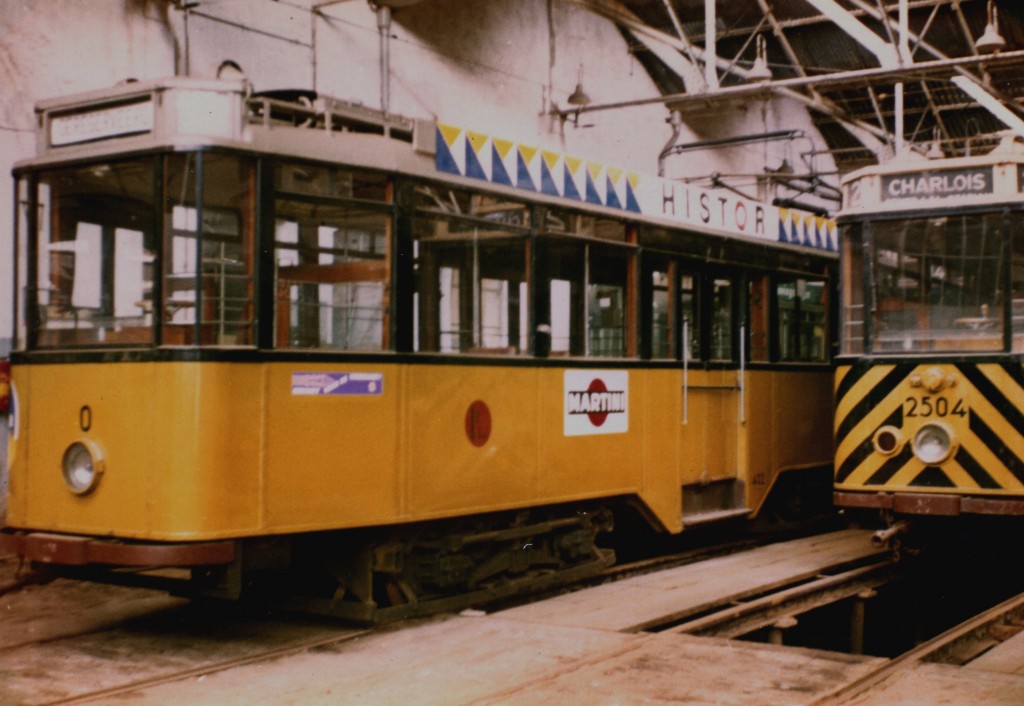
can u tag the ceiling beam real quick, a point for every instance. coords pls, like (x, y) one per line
(884, 51)
(990, 103)
(616, 13)
(926, 69)
(816, 20)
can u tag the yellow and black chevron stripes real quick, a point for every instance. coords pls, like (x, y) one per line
(982, 404)
(996, 424)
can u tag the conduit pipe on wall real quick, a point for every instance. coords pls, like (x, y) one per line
(675, 120)
(384, 27)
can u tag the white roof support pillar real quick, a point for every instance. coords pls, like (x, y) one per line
(904, 59)
(710, 48)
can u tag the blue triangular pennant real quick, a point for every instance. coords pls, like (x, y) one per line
(473, 167)
(592, 195)
(444, 161)
(499, 175)
(571, 192)
(631, 203)
(613, 197)
(547, 182)
(523, 178)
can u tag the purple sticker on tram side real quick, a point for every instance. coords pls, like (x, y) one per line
(360, 384)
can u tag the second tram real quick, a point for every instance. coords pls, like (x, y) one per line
(929, 384)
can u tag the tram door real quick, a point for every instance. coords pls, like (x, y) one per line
(711, 390)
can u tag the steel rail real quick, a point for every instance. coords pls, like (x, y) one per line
(970, 630)
(747, 616)
(285, 651)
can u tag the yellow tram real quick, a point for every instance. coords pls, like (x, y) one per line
(379, 362)
(929, 386)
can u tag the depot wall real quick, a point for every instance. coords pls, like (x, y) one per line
(495, 66)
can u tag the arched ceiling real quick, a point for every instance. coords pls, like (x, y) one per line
(840, 58)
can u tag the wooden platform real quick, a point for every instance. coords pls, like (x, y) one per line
(584, 649)
(636, 603)
(1006, 657)
(933, 684)
(490, 660)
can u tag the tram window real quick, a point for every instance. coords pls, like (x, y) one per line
(802, 319)
(331, 273)
(21, 273)
(938, 283)
(722, 319)
(319, 180)
(689, 306)
(1017, 288)
(471, 288)
(607, 276)
(852, 337)
(662, 312)
(220, 267)
(758, 305)
(564, 270)
(96, 249)
(674, 309)
(586, 286)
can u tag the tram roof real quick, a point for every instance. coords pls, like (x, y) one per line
(180, 113)
(916, 183)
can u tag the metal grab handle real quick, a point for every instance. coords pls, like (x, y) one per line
(686, 369)
(743, 370)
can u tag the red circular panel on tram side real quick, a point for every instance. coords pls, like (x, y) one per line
(597, 418)
(478, 423)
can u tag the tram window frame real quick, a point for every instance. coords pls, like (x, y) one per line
(912, 310)
(332, 231)
(797, 338)
(580, 314)
(472, 254)
(1016, 302)
(853, 284)
(661, 307)
(760, 314)
(23, 227)
(114, 307)
(672, 297)
(208, 272)
(715, 348)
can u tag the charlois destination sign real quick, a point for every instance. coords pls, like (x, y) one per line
(937, 184)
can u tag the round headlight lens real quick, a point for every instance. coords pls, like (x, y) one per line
(887, 440)
(933, 444)
(81, 468)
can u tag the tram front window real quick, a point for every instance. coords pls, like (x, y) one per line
(95, 254)
(208, 250)
(938, 284)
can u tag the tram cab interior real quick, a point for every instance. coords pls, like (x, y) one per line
(938, 284)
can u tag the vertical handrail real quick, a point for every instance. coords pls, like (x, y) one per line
(743, 370)
(686, 369)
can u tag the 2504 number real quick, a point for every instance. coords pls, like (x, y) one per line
(928, 406)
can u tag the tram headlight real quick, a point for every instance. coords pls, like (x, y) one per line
(934, 443)
(82, 466)
(888, 440)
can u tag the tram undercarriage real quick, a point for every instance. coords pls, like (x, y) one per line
(384, 575)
